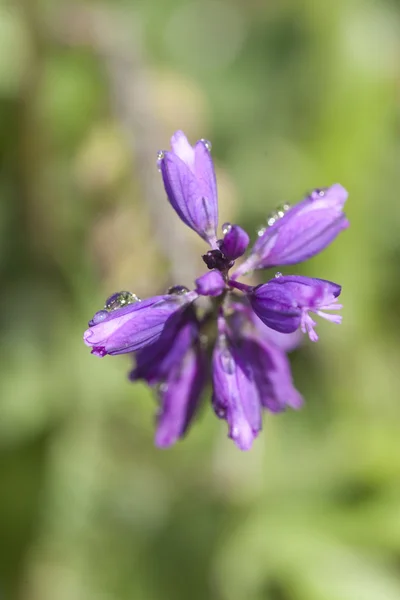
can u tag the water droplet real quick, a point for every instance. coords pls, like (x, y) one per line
(226, 228)
(160, 156)
(318, 193)
(98, 317)
(280, 211)
(261, 231)
(162, 388)
(207, 144)
(278, 274)
(177, 290)
(120, 299)
(286, 206)
(272, 218)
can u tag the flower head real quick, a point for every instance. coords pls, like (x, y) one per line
(247, 330)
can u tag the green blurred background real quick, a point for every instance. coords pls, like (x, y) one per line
(293, 94)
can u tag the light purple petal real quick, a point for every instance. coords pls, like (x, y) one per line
(302, 232)
(181, 147)
(205, 175)
(210, 284)
(190, 184)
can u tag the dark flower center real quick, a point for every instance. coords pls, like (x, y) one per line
(214, 259)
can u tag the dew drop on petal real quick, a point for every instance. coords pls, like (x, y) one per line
(162, 388)
(318, 193)
(226, 228)
(207, 144)
(98, 317)
(272, 218)
(280, 211)
(177, 290)
(278, 274)
(160, 156)
(286, 206)
(120, 299)
(261, 231)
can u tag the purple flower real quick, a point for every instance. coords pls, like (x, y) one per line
(191, 186)
(134, 326)
(246, 330)
(284, 303)
(298, 233)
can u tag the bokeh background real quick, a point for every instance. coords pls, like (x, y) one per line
(293, 94)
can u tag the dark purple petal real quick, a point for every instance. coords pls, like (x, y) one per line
(179, 397)
(210, 284)
(154, 363)
(135, 326)
(276, 308)
(284, 302)
(235, 242)
(190, 184)
(302, 232)
(272, 375)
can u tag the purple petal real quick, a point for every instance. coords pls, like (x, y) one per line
(240, 410)
(135, 326)
(210, 284)
(272, 375)
(180, 398)
(235, 242)
(155, 362)
(275, 307)
(302, 232)
(181, 147)
(205, 175)
(190, 184)
(286, 342)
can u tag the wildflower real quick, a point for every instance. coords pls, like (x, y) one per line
(247, 330)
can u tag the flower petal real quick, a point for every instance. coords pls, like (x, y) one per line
(190, 184)
(235, 397)
(210, 284)
(302, 232)
(235, 242)
(180, 398)
(135, 326)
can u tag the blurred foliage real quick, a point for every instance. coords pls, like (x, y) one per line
(293, 95)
